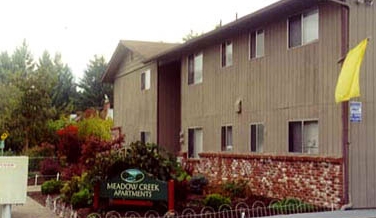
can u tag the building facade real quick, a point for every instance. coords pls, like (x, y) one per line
(254, 100)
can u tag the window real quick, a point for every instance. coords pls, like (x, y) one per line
(145, 137)
(145, 80)
(304, 137)
(257, 137)
(195, 65)
(256, 44)
(303, 28)
(226, 142)
(194, 142)
(226, 54)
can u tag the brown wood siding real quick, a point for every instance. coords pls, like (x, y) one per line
(130, 65)
(284, 85)
(169, 106)
(136, 109)
(363, 134)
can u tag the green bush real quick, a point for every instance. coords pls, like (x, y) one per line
(81, 199)
(51, 187)
(288, 204)
(216, 200)
(69, 188)
(235, 189)
(95, 127)
(76, 185)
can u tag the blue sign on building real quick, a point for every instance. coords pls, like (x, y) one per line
(355, 111)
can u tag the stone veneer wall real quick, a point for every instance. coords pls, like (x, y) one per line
(317, 180)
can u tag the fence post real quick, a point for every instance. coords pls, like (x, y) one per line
(57, 176)
(36, 180)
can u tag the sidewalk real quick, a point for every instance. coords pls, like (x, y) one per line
(32, 209)
(371, 213)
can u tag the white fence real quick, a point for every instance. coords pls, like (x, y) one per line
(241, 210)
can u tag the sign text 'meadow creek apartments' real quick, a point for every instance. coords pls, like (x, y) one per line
(133, 190)
(134, 184)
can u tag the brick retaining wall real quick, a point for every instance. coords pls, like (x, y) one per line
(317, 180)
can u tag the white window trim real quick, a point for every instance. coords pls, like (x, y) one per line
(147, 81)
(194, 72)
(302, 121)
(221, 51)
(232, 135)
(250, 44)
(301, 18)
(194, 128)
(250, 137)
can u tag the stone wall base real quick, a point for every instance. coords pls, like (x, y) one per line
(316, 180)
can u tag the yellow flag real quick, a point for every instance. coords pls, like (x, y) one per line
(348, 80)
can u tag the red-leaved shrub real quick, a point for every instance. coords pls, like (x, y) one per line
(69, 144)
(93, 146)
(72, 170)
(49, 166)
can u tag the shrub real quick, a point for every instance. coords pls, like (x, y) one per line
(75, 185)
(72, 170)
(49, 166)
(82, 198)
(197, 183)
(95, 127)
(69, 188)
(69, 146)
(216, 200)
(235, 189)
(286, 205)
(91, 147)
(51, 187)
(153, 159)
(45, 149)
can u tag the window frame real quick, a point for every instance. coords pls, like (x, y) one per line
(255, 47)
(191, 154)
(250, 137)
(143, 137)
(145, 80)
(224, 138)
(224, 55)
(191, 68)
(302, 122)
(301, 14)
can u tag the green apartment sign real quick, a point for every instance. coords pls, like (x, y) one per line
(133, 184)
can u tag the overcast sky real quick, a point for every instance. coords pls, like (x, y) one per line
(79, 29)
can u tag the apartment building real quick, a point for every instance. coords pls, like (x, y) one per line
(254, 99)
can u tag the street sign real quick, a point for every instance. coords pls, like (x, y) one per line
(355, 111)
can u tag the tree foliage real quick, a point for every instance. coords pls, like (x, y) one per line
(35, 92)
(191, 35)
(92, 89)
(32, 93)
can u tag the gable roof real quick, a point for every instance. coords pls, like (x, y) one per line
(145, 49)
(273, 12)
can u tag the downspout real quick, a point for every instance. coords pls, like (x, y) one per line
(345, 10)
(158, 103)
(345, 14)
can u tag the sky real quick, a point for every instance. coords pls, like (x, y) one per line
(80, 29)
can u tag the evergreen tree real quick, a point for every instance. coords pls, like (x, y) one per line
(92, 90)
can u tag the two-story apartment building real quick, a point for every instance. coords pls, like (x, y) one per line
(254, 100)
